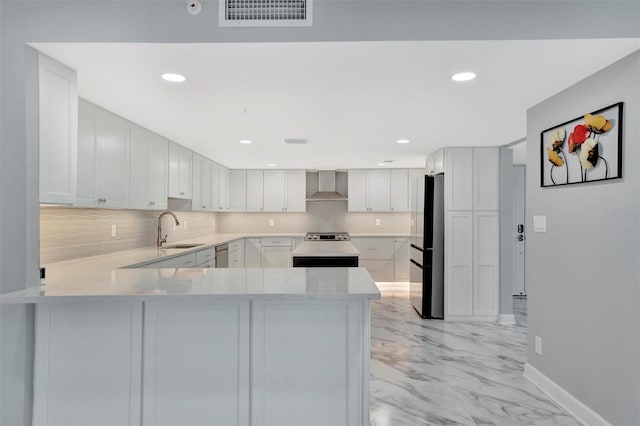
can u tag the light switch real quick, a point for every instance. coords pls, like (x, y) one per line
(540, 224)
(272, 222)
(378, 222)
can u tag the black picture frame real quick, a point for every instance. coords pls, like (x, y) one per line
(609, 163)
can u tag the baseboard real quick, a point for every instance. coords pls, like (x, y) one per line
(560, 396)
(477, 318)
(507, 319)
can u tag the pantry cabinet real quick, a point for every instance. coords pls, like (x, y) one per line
(180, 165)
(369, 190)
(57, 101)
(201, 184)
(103, 158)
(148, 169)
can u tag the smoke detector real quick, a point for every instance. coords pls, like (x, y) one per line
(194, 7)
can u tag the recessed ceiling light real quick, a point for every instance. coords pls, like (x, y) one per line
(174, 78)
(463, 76)
(246, 141)
(403, 141)
(271, 165)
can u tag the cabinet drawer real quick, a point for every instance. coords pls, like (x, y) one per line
(380, 270)
(374, 248)
(205, 255)
(236, 245)
(236, 259)
(276, 242)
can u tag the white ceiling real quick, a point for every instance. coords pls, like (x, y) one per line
(351, 100)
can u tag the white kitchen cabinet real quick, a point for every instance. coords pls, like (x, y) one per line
(369, 190)
(458, 263)
(486, 178)
(295, 242)
(253, 253)
(377, 255)
(103, 158)
(148, 169)
(459, 179)
(380, 270)
(486, 259)
(255, 190)
(187, 260)
(284, 190)
(87, 363)
(276, 252)
(201, 184)
(220, 188)
(401, 259)
(414, 175)
(399, 190)
(196, 363)
(237, 190)
(57, 131)
(236, 253)
(180, 167)
(206, 258)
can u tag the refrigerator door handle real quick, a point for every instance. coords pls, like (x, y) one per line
(416, 263)
(416, 247)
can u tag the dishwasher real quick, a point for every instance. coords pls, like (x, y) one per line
(222, 256)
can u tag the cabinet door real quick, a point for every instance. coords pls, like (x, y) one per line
(86, 187)
(486, 183)
(459, 179)
(196, 188)
(401, 259)
(236, 259)
(253, 253)
(399, 190)
(485, 263)
(274, 190)
(255, 190)
(276, 257)
(148, 170)
(296, 191)
(112, 159)
(414, 175)
(459, 263)
(374, 248)
(180, 164)
(379, 190)
(57, 132)
(238, 190)
(357, 187)
(223, 189)
(380, 270)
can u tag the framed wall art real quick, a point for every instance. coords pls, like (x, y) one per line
(585, 149)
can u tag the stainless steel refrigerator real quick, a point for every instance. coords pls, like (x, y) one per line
(426, 290)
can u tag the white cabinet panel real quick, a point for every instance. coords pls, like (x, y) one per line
(399, 190)
(380, 270)
(255, 190)
(276, 257)
(296, 189)
(486, 173)
(86, 188)
(274, 190)
(201, 184)
(357, 187)
(180, 165)
(374, 248)
(196, 363)
(486, 263)
(57, 131)
(221, 188)
(87, 365)
(148, 169)
(236, 253)
(459, 263)
(253, 253)
(238, 190)
(459, 179)
(184, 261)
(401, 259)
(379, 190)
(204, 257)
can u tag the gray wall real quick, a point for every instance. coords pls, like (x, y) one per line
(167, 21)
(583, 275)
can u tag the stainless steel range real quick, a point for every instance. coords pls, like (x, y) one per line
(327, 250)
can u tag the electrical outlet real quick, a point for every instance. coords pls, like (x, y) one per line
(185, 225)
(272, 222)
(113, 231)
(538, 345)
(378, 222)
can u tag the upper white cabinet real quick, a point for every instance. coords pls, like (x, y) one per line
(237, 190)
(148, 169)
(459, 179)
(255, 190)
(57, 131)
(369, 190)
(180, 164)
(486, 182)
(399, 190)
(103, 158)
(201, 184)
(220, 188)
(284, 190)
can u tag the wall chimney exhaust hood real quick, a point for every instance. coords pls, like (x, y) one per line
(327, 188)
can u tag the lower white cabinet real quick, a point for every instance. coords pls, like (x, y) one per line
(401, 259)
(196, 363)
(377, 255)
(87, 368)
(458, 263)
(236, 254)
(276, 252)
(486, 268)
(185, 261)
(253, 253)
(380, 270)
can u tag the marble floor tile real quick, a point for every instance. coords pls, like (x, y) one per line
(432, 372)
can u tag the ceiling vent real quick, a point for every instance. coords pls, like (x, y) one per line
(265, 13)
(295, 141)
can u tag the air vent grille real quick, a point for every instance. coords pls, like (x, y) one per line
(259, 13)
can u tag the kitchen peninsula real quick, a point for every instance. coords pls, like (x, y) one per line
(193, 346)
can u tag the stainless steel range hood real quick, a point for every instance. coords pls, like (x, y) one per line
(327, 188)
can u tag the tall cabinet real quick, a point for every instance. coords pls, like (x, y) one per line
(472, 240)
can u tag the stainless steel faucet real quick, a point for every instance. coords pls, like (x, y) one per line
(160, 239)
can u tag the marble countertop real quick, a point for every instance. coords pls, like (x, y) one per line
(326, 249)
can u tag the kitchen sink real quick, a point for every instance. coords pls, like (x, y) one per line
(183, 246)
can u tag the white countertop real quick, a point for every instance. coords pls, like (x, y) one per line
(326, 249)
